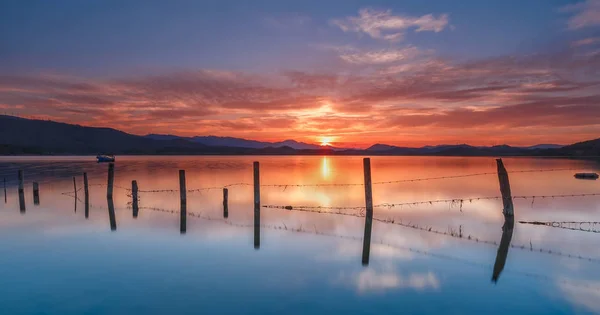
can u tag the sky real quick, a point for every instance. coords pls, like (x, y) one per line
(352, 72)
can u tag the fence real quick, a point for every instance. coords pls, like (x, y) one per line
(366, 211)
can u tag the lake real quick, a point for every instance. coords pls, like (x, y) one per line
(447, 256)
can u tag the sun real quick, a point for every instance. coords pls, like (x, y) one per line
(326, 141)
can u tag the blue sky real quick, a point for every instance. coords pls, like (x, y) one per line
(108, 42)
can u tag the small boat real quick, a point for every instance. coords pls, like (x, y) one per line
(586, 176)
(105, 158)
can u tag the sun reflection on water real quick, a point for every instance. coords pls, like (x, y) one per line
(325, 168)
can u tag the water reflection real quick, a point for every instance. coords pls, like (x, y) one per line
(507, 233)
(325, 171)
(306, 252)
(111, 214)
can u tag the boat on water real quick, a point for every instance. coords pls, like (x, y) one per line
(586, 176)
(105, 158)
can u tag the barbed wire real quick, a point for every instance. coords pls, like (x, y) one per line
(285, 186)
(453, 202)
(567, 225)
(454, 234)
(315, 231)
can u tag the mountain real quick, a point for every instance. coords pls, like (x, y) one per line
(28, 136)
(241, 143)
(544, 146)
(18, 135)
(585, 148)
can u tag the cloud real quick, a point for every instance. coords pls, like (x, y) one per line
(371, 280)
(402, 97)
(586, 14)
(386, 26)
(585, 41)
(381, 56)
(582, 293)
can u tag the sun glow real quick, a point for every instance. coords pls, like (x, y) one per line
(326, 141)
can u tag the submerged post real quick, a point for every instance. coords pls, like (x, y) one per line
(505, 189)
(111, 180)
(134, 198)
(87, 195)
(225, 201)
(21, 192)
(183, 197)
(36, 193)
(368, 213)
(256, 205)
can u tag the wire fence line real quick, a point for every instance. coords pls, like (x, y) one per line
(313, 230)
(458, 202)
(285, 186)
(592, 226)
(454, 234)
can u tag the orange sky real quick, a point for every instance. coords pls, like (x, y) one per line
(517, 102)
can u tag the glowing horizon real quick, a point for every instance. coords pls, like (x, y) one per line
(348, 75)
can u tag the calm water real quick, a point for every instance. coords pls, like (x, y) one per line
(55, 261)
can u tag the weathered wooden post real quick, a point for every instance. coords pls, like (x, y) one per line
(5, 198)
(507, 233)
(225, 203)
(21, 192)
(111, 214)
(134, 198)
(505, 189)
(87, 195)
(75, 187)
(256, 205)
(183, 197)
(36, 193)
(75, 192)
(368, 213)
(111, 180)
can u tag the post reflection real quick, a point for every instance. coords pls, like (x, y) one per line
(507, 233)
(111, 214)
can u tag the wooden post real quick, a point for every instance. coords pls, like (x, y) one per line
(505, 189)
(183, 197)
(256, 205)
(111, 180)
(21, 192)
(111, 214)
(134, 198)
(21, 180)
(87, 195)
(75, 187)
(225, 203)
(368, 213)
(5, 198)
(36, 193)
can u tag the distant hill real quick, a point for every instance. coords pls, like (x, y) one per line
(27, 136)
(241, 143)
(585, 148)
(18, 135)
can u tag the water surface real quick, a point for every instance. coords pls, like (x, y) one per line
(449, 257)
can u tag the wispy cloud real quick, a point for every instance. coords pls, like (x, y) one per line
(381, 56)
(586, 41)
(586, 14)
(384, 25)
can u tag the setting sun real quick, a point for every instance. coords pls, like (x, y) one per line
(326, 141)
